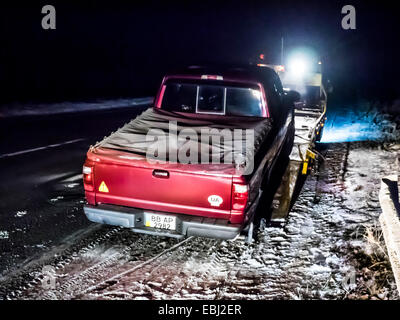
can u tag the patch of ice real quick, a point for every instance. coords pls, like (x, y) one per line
(333, 260)
(270, 256)
(72, 185)
(316, 268)
(13, 110)
(4, 234)
(278, 239)
(20, 214)
(254, 263)
(56, 199)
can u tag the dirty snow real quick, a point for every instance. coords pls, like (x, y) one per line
(72, 185)
(20, 214)
(56, 199)
(362, 123)
(311, 256)
(319, 252)
(4, 234)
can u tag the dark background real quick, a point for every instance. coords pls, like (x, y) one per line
(121, 49)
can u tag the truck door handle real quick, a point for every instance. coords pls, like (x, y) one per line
(164, 174)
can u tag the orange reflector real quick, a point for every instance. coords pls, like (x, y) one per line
(280, 68)
(103, 187)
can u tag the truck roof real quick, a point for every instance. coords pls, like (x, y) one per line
(236, 74)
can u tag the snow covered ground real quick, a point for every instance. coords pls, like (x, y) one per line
(327, 248)
(33, 109)
(362, 123)
(312, 256)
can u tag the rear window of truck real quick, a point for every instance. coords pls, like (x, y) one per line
(212, 99)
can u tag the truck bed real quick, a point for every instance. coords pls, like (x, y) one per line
(131, 182)
(132, 137)
(167, 186)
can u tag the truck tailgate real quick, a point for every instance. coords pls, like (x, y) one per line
(160, 188)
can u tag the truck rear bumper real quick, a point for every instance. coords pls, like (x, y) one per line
(186, 225)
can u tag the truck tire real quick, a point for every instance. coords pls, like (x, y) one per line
(271, 185)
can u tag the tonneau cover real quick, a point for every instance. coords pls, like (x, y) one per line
(132, 136)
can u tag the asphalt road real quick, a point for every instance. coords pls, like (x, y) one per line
(41, 191)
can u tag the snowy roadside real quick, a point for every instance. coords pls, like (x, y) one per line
(321, 252)
(361, 123)
(329, 248)
(34, 109)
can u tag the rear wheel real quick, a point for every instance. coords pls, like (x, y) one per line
(269, 188)
(263, 211)
(264, 207)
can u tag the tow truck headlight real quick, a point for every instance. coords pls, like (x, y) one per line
(301, 61)
(298, 66)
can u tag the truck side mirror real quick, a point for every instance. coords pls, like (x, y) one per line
(292, 96)
(329, 88)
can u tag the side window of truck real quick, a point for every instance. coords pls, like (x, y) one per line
(274, 94)
(278, 88)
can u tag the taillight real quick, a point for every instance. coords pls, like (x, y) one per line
(88, 178)
(240, 194)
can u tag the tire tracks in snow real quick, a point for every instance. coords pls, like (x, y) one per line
(298, 260)
(136, 267)
(30, 275)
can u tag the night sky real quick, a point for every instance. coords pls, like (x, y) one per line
(122, 49)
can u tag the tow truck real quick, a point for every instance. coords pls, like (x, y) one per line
(310, 117)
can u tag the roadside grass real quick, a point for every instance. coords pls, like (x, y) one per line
(374, 276)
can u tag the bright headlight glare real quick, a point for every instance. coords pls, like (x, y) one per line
(298, 66)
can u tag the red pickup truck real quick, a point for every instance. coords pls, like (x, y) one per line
(177, 198)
